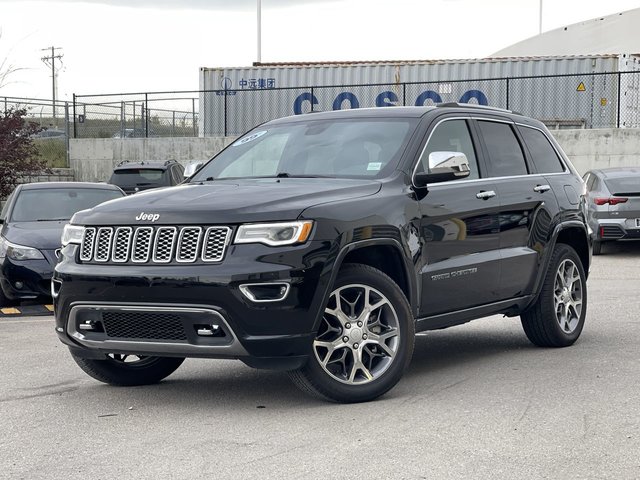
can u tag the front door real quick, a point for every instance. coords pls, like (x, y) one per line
(459, 229)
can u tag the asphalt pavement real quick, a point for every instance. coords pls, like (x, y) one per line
(478, 401)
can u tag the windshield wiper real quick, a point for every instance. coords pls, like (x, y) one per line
(302, 175)
(51, 219)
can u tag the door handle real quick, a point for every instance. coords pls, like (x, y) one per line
(485, 195)
(541, 188)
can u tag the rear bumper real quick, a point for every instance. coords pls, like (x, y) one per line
(269, 335)
(616, 229)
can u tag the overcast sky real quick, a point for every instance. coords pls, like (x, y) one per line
(154, 45)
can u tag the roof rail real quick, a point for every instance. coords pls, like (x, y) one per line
(472, 105)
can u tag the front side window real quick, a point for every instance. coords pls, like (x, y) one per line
(451, 136)
(40, 205)
(505, 153)
(349, 148)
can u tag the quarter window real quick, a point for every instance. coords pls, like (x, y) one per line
(542, 152)
(505, 153)
(451, 136)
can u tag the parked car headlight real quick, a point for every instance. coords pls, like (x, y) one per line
(18, 252)
(275, 234)
(72, 234)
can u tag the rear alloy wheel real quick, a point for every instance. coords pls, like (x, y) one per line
(129, 370)
(557, 317)
(365, 339)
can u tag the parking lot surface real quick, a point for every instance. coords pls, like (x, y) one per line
(478, 401)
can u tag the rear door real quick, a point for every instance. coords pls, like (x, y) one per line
(458, 227)
(527, 205)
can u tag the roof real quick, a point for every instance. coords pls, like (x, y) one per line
(617, 172)
(50, 185)
(611, 34)
(159, 165)
(348, 63)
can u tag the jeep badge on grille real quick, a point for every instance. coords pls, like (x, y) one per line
(148, 216)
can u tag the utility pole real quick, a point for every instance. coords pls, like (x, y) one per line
(50, 60)
(540, 26)
(259, 11)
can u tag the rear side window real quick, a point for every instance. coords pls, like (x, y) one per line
(505, 153)
(542, 152)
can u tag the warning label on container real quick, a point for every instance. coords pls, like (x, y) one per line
(581, 87)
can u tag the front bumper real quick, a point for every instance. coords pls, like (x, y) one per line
(271, 335)
(25, 279)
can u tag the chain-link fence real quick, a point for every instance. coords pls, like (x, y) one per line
(593, 100)
(168, 114)
(55, 121)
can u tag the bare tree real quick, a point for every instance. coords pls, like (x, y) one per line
(6, 68)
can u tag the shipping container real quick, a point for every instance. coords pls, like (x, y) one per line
(565, 92)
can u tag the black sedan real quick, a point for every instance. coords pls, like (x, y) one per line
(31, 225)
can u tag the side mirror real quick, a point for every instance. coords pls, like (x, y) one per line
(192, 168)
(443, 166)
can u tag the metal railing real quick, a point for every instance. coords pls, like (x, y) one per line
(590, 100)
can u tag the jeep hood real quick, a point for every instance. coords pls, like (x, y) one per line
(226, 201)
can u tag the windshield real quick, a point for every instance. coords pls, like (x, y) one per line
(624, 186)
(138, 177)
(350, 148)
(57, 203)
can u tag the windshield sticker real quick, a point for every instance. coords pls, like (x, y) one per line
(374, 166)
(249, 138)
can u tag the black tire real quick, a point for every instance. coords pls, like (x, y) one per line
(540, 321)
(115, 371)
(597, 247)
(315, 380)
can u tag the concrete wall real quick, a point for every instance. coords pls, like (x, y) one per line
(94, 159)
(54, 175)
(600, 148)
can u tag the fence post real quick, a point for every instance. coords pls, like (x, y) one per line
(312, 99)
(618, 102)
(404, 94)
(75, 133)
(122, 114)
(66, 131)
(173, 123)
(193, 115)
(146, 116)
(225, 111)
(507, 94)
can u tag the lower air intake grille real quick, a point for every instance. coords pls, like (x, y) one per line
(144, 326)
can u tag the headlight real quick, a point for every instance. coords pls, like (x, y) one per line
(275, 234)
(18, 252)
(72, 234)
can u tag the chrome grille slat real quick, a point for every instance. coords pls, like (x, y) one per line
(142, 245)
(88, 238)
(188, 244)
(163, 246)
(215, 243)
(121, 244)
(154, 245)
(103, 244)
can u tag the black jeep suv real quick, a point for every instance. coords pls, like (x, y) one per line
(320, 243)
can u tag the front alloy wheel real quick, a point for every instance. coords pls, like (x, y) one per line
(365, 339)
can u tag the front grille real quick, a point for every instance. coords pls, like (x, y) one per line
(161, 245)
(143, 326)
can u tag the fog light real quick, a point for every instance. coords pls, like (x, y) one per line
(19, 285)
(265, 292)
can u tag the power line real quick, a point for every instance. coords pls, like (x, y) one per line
(50, 60)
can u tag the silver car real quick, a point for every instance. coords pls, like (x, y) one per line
(613, 199)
